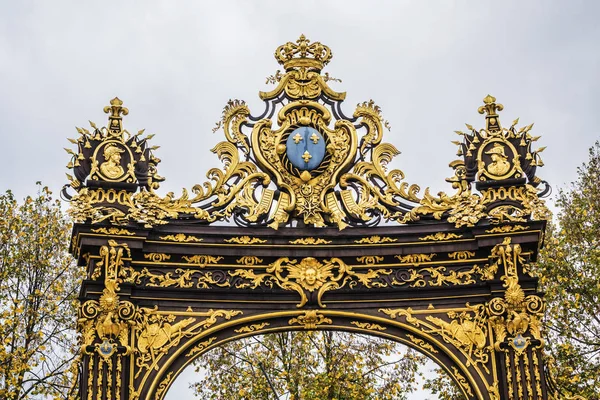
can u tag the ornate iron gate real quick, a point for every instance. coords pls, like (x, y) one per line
(326, 236)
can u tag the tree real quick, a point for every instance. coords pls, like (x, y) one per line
(569, 270)
(38, 287)
(442, 385)
(308, 365)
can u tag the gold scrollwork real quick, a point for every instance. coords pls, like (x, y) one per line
(310, 320)
(157, 257)
(113, 231)
(515, 314)
(201, 260)
(441, 236)
(462, 381)
(252, 328)
(309, 275)
(461, 255)
(507, 229)
(350, 185)
(368, 326)
(310, 241)
(157, 333)
(181, 238)
(466, 329)
(106, 324)
(245, 240)
(370, 260)
(200, 347)
(163, 386)
(181, 278)
(421, 343)
(249, 260)
(415, 259)
(375, 239)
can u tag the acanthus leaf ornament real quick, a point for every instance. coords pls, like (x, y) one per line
(309, 275)
(304, 162)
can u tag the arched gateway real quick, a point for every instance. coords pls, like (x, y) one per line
(325, 237)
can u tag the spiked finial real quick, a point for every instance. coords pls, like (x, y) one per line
(115, 120)
(492, 122)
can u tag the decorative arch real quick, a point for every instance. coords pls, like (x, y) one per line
(322, 234)
(350, 322)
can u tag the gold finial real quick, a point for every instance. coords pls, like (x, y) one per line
(492, 122)
(303, 54)
(115, 110)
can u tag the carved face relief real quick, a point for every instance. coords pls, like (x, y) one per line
(310, 273)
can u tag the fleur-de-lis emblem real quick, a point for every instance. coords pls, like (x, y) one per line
(306, 156)
(305, 148)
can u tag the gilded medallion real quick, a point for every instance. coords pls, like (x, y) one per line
(111, 167)
(111, 162)
(497, 159)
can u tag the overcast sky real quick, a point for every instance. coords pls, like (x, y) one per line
(175, 64)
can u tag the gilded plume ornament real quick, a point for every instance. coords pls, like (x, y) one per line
(303, 161)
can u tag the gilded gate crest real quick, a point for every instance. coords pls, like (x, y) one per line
(447, 275)
(304, 160)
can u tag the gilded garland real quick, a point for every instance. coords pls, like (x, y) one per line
(304, 160)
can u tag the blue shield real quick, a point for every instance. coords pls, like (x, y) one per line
(305, 148)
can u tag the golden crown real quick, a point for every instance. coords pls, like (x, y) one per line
(303, 54)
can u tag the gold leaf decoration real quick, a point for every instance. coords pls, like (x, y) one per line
(181, 238)
(180, 278)
(200, 347)
(415, 258)
(421, 343)
(368, 326)
(462, 381)
(375, 239)
(309, 275)
(310, 320)
(507, 229)
(245, 240)
(113, 231)
(202, 260)
(252, 328)
(466, 329)
(370, 260)
(461, 255)
(249, 260)
(310, 241)
(441, 236)
(163, 386)
(158, 332)
(157, 257)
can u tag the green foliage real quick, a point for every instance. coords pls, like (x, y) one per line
(443, 386)
(309, 365)
(569, 270)
(38, 284)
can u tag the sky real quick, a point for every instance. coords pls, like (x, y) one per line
(427, 64)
